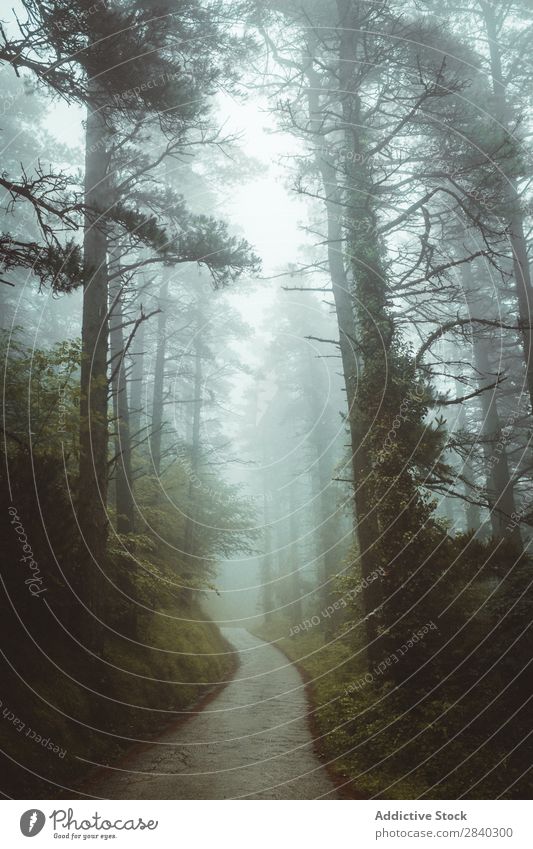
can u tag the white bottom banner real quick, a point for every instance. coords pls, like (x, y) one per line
(244, 824)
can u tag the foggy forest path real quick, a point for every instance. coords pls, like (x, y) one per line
(251, 741)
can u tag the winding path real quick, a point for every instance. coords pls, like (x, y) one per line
(251, 741)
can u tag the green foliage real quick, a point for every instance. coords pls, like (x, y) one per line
(223, 521)
(157, 647)
(42, 408)
(187, 237)
(207, 241)
(44, 395)
(450, 718)
(403, 447)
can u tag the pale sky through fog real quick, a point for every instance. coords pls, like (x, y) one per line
(265, 208)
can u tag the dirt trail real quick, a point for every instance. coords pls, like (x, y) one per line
(251, 741)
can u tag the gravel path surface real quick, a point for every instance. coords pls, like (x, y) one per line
(251, 741)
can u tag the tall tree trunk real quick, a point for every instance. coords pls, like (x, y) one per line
(499, 483)
(267, 586)
(322, 478)
(191, 520)
(121, 414)
(93, 467)
(365, 520)
(515, 215)
(266, 594)
(500, 489)
(159, 376)
(5, 306)
(137, 383)
(294, 559)
(327, 521)
(472, 511)
(373, 327)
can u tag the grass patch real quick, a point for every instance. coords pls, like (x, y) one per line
(63, 709)
(391, 742)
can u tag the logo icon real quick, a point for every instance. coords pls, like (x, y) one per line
(32, 822)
